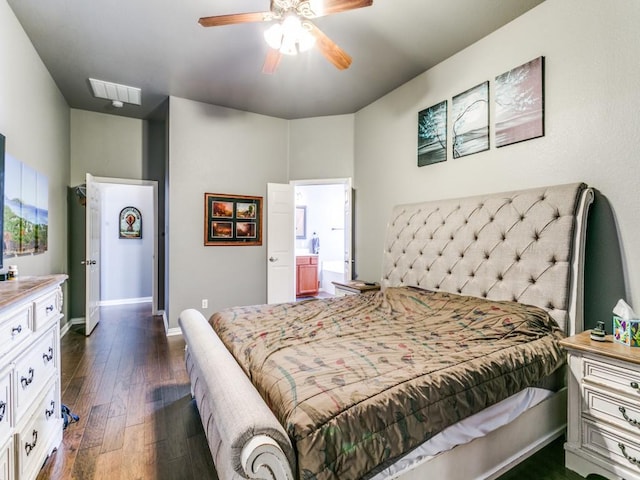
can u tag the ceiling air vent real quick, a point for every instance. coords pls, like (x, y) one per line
(118, 94)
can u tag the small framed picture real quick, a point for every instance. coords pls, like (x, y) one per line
(232, 219)
(130, 223)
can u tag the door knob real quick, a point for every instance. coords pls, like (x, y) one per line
(273, 259)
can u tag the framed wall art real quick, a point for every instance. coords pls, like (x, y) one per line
(232, 219)
(301, 221)
(432, 134)
(520, 103)
(130, 223)
(470, 126)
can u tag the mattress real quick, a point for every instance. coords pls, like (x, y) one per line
(359, 381)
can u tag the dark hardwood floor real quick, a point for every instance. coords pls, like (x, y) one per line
(128, 384)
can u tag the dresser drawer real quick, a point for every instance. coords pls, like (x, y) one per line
(34, 440)
(613, 446)
(47, 308)
(5, 405)
(6, 460)
(622, 380)
(33, 370)
(15, 328)
(612, 408)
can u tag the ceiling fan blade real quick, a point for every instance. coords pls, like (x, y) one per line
(272, 61)
(232, 19)
(330, 49)
(337, 6)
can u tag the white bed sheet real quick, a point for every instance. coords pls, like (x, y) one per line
(468, 429)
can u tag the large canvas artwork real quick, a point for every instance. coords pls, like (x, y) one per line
(432, 134)
(470, 112)
(520, 103)
(26, 209)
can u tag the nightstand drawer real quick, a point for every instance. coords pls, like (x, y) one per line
(622, 380)
(614, 448)
(613, 409)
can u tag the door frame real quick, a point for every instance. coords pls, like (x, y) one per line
(154, 263)
(347, 182)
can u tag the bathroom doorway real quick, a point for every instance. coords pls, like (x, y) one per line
(324, 229)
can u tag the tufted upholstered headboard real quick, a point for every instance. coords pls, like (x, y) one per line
(525, 246)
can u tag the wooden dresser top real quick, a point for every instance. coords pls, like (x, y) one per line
(582, 342)
(22, 287)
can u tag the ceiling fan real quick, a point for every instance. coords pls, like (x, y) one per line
(293, 31)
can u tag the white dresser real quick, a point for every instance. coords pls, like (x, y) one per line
(30, 418)
(603, 408)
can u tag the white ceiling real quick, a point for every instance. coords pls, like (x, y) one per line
(159, 47)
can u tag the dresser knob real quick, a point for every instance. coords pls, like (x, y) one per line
(635, 385)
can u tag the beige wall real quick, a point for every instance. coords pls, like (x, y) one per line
(217, 150)
(35, 119)
(591, 49)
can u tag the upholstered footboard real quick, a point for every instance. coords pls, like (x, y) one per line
(245, 438)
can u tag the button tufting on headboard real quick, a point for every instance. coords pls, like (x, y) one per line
(503, 246)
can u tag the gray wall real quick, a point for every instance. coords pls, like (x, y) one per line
(321, 147)
(105, 146)
(592, 134)
(35, 119)
(217, 150)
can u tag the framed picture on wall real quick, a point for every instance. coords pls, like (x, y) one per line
(130, 223)
(432, 134)
(301, 221)
(232, 219)
(470, 125)
(520, 103)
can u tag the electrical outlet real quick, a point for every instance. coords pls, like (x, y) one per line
(205, 303)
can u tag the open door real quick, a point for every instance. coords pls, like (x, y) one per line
(92, 262)
(280, 243)
(348, 231)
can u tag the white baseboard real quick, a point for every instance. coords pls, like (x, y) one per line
(125, 301)
(169, 332)
(77, 321)
(65, 329)
(172, 332)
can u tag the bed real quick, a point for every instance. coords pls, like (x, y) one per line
(277, 385)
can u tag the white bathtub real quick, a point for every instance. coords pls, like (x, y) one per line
(332, 271)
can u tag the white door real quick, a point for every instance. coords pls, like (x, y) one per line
(348, 234)
(280, 244)
(92, 260)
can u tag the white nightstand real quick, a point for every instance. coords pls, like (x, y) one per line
(603, 434)
(354, 288)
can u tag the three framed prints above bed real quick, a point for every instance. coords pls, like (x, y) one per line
(519, 115)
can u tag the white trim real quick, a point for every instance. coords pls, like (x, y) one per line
(165, 321)
(174, 332)
(77, 321)
(125, 301)
(65, 329)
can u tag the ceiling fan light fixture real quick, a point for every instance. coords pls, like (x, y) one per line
(306, 40)
(273, 36)
(291, 36)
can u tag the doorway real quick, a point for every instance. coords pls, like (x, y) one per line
(127, 266)
(324, 228)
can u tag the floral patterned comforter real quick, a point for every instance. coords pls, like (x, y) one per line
(360, 380)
